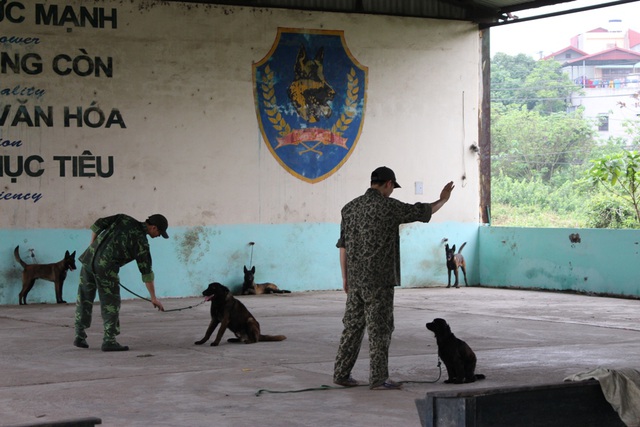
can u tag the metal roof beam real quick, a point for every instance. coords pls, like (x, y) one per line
(523, 6)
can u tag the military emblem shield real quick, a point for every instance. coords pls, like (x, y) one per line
(310, 96)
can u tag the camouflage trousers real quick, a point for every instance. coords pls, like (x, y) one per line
(371, 309)
(108, 288)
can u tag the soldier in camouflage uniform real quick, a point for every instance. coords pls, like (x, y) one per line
(115, 241)
(370, 261)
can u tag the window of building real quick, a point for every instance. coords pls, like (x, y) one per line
(603, 122)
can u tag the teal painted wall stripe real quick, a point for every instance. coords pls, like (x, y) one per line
(298, 257)
(604, 261)
(303, 257)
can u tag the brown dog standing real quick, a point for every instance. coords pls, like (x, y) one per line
(455, 261)
(56, 273)
(231, 314)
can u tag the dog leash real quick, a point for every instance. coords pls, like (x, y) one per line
(328, 387)
(164, 311)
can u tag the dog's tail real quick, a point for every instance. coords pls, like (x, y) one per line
(461, 246)
(16, 253)
(272, 337)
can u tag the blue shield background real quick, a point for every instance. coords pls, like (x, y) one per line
(311, 161)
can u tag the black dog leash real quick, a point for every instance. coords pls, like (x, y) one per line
(328, 387)
(165, 311)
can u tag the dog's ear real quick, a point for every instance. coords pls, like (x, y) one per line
(245, 269)
(66, 254)
(453, 248)
(446, 246)
(73, 255)
(253, 269)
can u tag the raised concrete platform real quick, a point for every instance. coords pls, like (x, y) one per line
(520, 338)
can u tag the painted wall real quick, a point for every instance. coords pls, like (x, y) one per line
(145, 106)
(606, 101)
(298, 257)
(583, 260)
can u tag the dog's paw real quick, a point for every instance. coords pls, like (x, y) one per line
(199, 342)
(214, 344)
(61, 302)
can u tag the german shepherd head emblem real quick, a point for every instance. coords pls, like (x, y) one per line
(309, 92)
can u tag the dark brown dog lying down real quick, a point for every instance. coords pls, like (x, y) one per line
(231, 314)
(456, 355)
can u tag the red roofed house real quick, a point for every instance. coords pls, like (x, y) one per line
(607, 65)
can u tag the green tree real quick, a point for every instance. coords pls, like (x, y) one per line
(605, 211)
(540, 85)
(619, 174)
(527, 144)
(548, 89)
(508, 74)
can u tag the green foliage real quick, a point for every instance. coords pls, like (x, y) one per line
(508, 74)
(538, 85)
(535, 199)
(548, 169)
(605, 211)
(549, 89)
(619, 174)
(519, 216)
(527, 144)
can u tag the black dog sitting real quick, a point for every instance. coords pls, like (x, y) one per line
(457, 356)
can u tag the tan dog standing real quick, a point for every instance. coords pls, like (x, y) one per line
(456, 261)
(56, 273)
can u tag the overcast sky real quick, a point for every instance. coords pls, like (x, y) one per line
(553, 34)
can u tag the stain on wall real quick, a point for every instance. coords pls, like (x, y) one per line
(193, 245)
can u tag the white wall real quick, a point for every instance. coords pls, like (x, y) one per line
(606, 101)
(192, 147)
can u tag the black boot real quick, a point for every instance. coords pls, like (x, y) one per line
(114, 346)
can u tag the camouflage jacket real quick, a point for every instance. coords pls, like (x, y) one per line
(119, 240)
(370, 233)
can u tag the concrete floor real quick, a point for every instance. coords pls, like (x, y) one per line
(520, 338)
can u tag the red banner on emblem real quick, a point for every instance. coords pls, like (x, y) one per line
(324, 136)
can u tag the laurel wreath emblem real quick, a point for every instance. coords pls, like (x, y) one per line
(270, 103)
(350, 103)
(279, 123)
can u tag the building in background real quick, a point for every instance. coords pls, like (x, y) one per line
(606, 63)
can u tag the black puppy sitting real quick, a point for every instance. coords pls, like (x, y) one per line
(457, 356)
